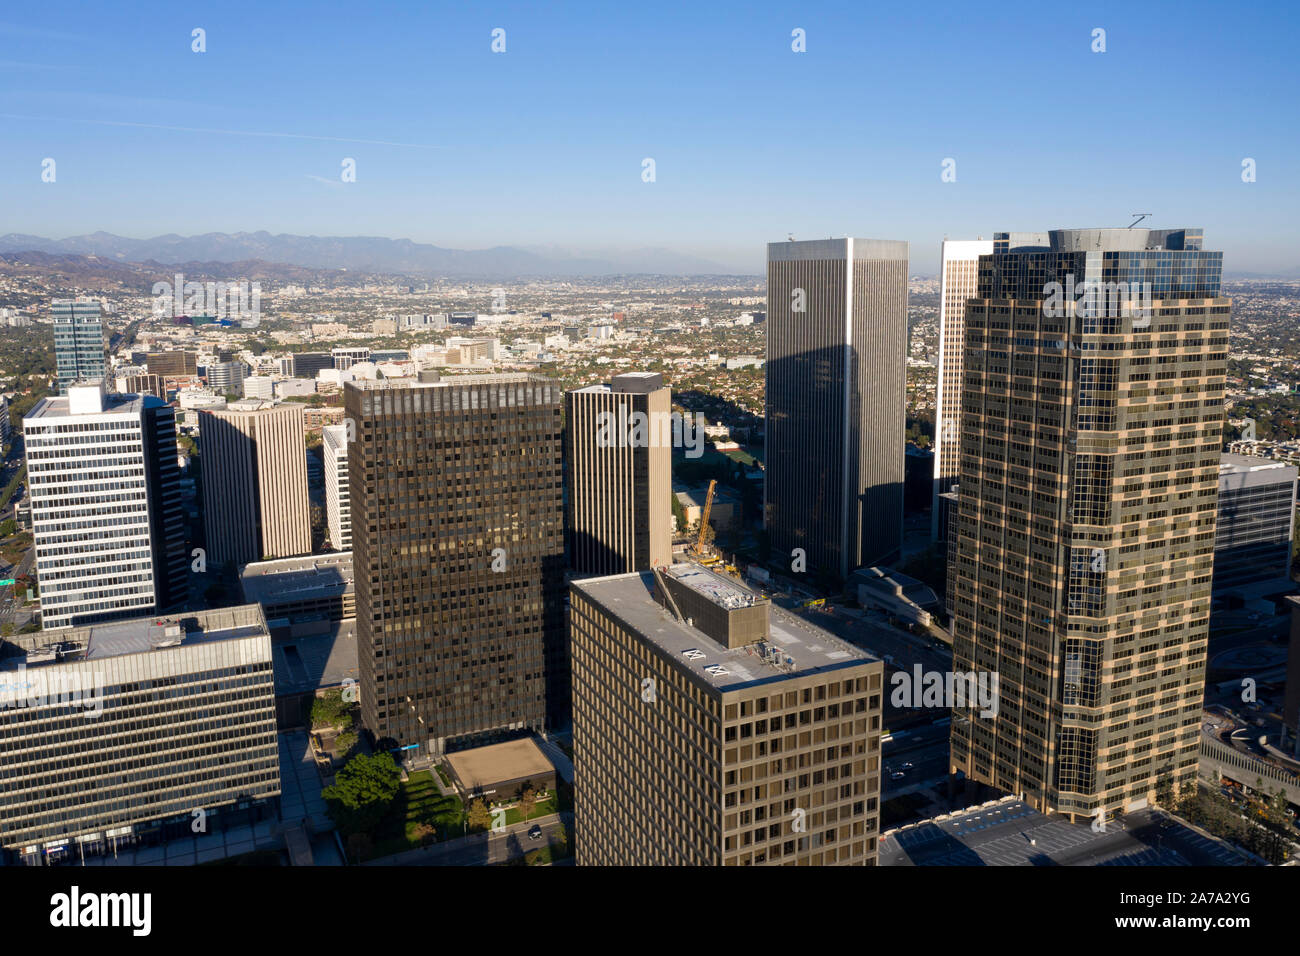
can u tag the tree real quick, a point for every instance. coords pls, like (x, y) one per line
(362, 792)
(331, 710)
(345, 741)
(679, 514)
(1165, 790)
(527, 803)
(423, 833)
(478, 817)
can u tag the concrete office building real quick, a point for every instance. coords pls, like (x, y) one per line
(1253, 534)
(172, 364)
(227, 378)
(1085, 519)
(304, 595)
(150, 384)
(255, 503)
(106, 514)
(78, 341)
(959, 264)
(345, 358)
(457, 538)
(619, 509)
(711, 728)
(957, 284)
(115, 734)
(836, 390)
(259, 386)
(338, 512)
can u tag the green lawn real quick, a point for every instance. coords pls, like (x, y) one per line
(417, 802)
(543, 808)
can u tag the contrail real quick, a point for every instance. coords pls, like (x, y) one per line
(224, 132)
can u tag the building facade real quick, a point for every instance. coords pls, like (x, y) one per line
(1256, 523)
(458, 552)
(106, 514)
(130, 733)
(619, 509)
(78, 341)
(172, 364)
(957, 284)
(1092, 418)
(254, 460)
(836, 391)
(338, 511)
(710, 728)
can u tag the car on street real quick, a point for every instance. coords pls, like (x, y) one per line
(535, 833)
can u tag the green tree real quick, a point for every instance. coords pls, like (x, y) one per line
(478, 817)
(362, 792)
(527, 803)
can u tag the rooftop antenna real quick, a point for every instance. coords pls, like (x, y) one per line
(1140, 217)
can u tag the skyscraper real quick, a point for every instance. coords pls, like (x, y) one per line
(338, 511)
(836, 391)
(960, 263)
(116, 734)
(619, 512)
(78, 341)
(254, 464)
(712, 728)
(458, 552)
(106, 506)
(1092, 416)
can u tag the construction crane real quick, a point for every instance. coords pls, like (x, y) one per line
(704, 517)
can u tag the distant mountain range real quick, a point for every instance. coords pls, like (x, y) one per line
(363, 254)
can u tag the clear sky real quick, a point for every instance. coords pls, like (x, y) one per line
(543, 145)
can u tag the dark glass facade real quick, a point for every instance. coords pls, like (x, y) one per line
(457, 524)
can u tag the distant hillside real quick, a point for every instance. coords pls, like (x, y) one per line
(360, 253)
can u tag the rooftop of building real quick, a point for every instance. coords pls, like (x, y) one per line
(311, 661)
(793, 648)
(1009, 832)
(483, 767)
(1248, 464)
(90, 400)
(135, 636)
(302, 578)
(804, 250)
(504, 378)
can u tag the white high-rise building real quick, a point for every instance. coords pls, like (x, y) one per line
(338, 510)
(960, 263)
(106, 506)
(957, 285)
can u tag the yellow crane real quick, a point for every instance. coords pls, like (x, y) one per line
(704, 517)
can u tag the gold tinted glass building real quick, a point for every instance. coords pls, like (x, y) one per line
(712, 728)
(1092, 416)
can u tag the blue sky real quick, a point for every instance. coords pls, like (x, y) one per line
(543, 145)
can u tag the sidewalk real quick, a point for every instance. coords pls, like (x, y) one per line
(481, 848)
